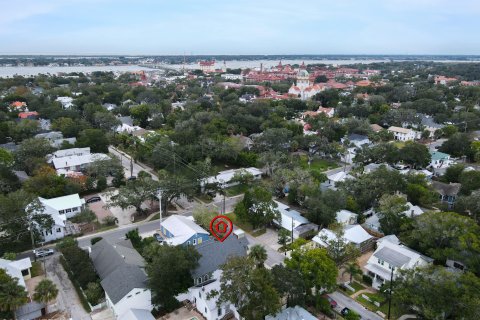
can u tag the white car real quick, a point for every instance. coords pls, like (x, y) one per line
(43, 252)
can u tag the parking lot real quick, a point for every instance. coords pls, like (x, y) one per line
(98, 208)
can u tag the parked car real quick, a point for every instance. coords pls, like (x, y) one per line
(43, 252)
(132, 178)
(345, 311)
(93, 199)
(158, 237)
(333, 303)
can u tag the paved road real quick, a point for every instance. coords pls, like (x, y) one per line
(126, 163)
(344, 301)
(67, 299)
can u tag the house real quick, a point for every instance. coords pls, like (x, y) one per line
(66, 102)
(354, 234)
(293, 221)
(448, 191)
(390, 257)
(19, 106)
(122, 273)
(224, 178)
(231, 76)
(180, 230)
(50, 136)
(429, 124)
(443, 80)
(59, 209)
(32, 115)
(207, 275)
(372, 221)
(345, 217)
(440, 160)
(357, 140)
(376, 128)
(207, 66)
(247, 97)
(74, 159)
(21, 269)
(335, 178)
(305, 88)
(246, 142)
(292, 313)
(403, 134)
(371, 167)
(127, 125)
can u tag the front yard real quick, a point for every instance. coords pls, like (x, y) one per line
(319, 165)
(245, 226)
(395, 312)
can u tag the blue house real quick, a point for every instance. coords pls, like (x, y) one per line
(180, 230)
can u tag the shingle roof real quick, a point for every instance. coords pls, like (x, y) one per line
(444, 189)
(216, 253)
(119, 267)
(181, 226)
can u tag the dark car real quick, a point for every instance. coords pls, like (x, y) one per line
(345, 311)
(132, 178)
(93, 199)
(43, 252)
(158, 237)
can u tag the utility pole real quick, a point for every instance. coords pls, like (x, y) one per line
(390, 293)
(224, 202)
(292, 230)
(131, 166)
(30, 228)
(160, 208)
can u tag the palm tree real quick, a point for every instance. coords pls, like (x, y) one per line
(258, 254)
(45, 291)
(352, 269)
(12, 295)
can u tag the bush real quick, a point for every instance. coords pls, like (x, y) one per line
(94, 293)
(367, 279)
(109, 221)
(323, 305)
(84, 216)
(101, 183)
(66, 243)
(95, 240)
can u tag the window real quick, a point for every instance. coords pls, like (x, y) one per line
(74, 209)
(68, 210)
(199, 294)
(59, 230)
(199, 280)
(205, 278)
(219, 311)
(205, 309)
(138, 292)
(194, 241)
(61, 211)
(129, 296)
(381, 262)
(25, 272)
(188, 243)
(200, 240)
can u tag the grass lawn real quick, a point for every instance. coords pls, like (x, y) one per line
(319, 165)
(395, 312)
(357, 286)
(37, 269)
(399, 144)
(245, 226)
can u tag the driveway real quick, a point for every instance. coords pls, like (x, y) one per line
(98, 209)
(344, 301)
(269, 239)
(124, 216)
(67, 299)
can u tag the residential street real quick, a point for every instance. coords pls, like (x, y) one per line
(344, 301)
(67, 299)
(125, 160)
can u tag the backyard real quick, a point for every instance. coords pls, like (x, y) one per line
(319, 165)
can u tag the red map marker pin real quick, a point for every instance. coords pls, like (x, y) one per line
(221, 227)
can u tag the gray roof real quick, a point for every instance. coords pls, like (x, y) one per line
(357, 137)
(122, 280)
(429, 122)
(29, 310)
(119, 266)
(126, 120)
(215, 253)
(393, 258)
(450, 189)
(10, 146)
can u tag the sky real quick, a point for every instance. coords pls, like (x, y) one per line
(177, 27)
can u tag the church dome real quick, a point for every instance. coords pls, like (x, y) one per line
(303, 74)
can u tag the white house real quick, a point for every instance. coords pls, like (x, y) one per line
(59, 209)
(207, 276)
(345, 217)
(127, 125)
(354, 234)
(67, 102)
(224, 178)
(390, 257)
(231, 76)
(293, 220)
(335, 178)
(373, 220)
(122, 273)
(75, 159)
(403, 134)
(20, 269)
(440, 160)
(180, 230)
